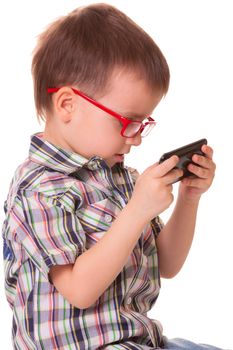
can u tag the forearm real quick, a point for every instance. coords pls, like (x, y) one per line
(96, 268)
(175, 239)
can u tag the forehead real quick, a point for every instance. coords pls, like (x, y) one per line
(129, 94)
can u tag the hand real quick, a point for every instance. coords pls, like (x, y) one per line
(191, 188)
(153, 189)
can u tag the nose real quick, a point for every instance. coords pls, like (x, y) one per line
(135, 140)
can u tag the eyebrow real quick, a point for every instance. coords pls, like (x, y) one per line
(132, 115)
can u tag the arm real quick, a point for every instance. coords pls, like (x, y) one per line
(94, 270)
(83, 282)
(175, 239)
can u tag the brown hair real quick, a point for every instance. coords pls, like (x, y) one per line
(83, 47)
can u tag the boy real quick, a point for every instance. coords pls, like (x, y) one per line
(82, 235)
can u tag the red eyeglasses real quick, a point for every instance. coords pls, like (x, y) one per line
(130, 127)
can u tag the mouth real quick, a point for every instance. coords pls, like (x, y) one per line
(120, 157)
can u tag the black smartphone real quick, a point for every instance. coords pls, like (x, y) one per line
(185, 154)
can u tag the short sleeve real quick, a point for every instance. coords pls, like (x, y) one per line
(49, 233)
(157, 225)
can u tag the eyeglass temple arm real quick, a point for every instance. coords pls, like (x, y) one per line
(97, 104)
(89, 99)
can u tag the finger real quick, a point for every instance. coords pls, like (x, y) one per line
(204, 162)
(166, 166)
(200, 172)
(195, 182)
(173, 176)
(208, 151)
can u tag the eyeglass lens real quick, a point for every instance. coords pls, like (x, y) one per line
(147, 129)
(133, 128)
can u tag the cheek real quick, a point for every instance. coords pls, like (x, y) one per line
(107, 132)
(96, 138)
(110, 144)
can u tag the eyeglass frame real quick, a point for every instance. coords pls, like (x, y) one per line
(125, 121)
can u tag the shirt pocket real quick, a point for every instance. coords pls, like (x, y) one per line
(96, 218)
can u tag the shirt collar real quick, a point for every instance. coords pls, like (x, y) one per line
(56, 158)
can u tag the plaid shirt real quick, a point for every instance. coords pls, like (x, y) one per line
(59, 205)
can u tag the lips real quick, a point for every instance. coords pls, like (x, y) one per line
(122, 154)
(120, 157)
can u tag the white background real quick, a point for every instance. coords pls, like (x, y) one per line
(196, 38)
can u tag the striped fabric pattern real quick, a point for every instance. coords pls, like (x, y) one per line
(59, 205)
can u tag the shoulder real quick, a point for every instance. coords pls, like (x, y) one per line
(32, 180)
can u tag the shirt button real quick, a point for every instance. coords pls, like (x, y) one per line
(108, 218)
(129, 301)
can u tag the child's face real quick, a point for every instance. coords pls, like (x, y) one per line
(91, 131)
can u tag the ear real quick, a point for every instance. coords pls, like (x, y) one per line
(64, 103)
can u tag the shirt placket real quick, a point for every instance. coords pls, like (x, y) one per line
(110, 188)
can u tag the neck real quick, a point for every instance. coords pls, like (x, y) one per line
(53, 135)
